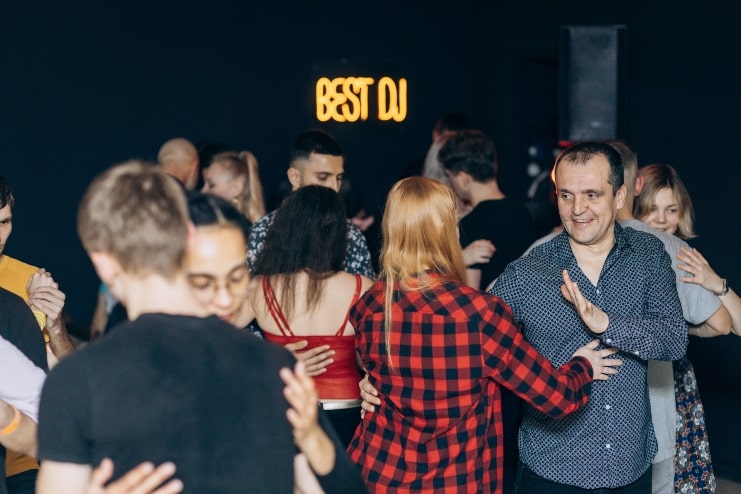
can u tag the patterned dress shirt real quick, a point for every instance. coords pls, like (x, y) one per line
(438, 428)
(610, 442)
(357, 261)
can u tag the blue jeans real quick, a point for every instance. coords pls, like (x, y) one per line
(529, 482)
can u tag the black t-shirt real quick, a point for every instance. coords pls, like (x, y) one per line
(193, 391)
(507, 224)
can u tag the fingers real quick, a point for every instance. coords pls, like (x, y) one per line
(301, 394)
(316, 359)
(147, 482)
(296, 345)
(300, 389)
(48, 300)
(573, 294)
(144, 479)
(369, 394)
(100, 476)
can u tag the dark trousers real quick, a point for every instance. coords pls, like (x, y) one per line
(528, 482)
(22, 483)
(344, 421)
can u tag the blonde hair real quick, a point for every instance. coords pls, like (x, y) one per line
(656, 177)
(420, 233)
(138, 214)
(244, 166)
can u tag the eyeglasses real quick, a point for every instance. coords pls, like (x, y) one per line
(208, 285)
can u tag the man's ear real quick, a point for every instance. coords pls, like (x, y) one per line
(620, 196)
(466, 178)
(294, 177)
(639, 185)
(106, 266)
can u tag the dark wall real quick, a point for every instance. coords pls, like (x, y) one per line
(84, 86)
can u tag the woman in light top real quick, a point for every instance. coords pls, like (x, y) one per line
(665, 204)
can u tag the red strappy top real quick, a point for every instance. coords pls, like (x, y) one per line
(340, 381)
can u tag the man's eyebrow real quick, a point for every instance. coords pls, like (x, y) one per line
(586, 191)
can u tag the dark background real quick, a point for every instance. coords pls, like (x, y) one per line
(87, 85)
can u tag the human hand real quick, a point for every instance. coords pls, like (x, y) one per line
(143, 479)
(301, 393)
(362, 221)
(602, 365)
(369, 395)
(595, 319)
(310, 438)
(44, 294)
(699, 269)
(50, 301)
(316, 360)
(478, 252)
(41, 277)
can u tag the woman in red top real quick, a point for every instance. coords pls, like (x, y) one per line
(300, 292)
(438, 351)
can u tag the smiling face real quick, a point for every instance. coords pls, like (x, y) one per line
(586, 202)
(217, 270)
(664, 213)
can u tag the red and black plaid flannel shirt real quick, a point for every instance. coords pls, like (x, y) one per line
(438, 427)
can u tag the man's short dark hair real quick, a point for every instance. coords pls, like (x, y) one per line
(452, 121)
(313, 142)
(470, 151)
(584, 151)
(6, 195)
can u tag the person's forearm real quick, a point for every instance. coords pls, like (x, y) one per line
(18, 431)
(732, 302)
(319, 451)
(59, 340)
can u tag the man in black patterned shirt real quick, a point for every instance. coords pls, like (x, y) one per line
(317, 159)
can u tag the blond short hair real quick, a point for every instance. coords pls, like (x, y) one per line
(138, 214)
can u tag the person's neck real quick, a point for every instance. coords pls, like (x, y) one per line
(625, 213)
(485, 191)
(155, 294)
(591, 258)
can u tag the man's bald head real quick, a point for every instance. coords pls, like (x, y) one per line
(179, 158)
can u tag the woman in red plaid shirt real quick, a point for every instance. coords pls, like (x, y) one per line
(438, 351)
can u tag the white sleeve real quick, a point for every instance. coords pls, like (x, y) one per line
(20, 380)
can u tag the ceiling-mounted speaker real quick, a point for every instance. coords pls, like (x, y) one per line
(592, 83)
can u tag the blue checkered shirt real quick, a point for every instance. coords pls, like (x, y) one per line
(610, 442)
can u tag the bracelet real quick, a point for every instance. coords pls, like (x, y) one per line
(724, 290)
(13, 425)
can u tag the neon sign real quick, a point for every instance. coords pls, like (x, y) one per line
(346, 99)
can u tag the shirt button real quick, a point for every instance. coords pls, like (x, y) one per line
(598, 292)
(608, 340)
(607, 407)
(607, 446)
(636, 352)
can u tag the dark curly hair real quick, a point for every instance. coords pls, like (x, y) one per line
(308, 234)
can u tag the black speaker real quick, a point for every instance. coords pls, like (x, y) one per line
(592, 83)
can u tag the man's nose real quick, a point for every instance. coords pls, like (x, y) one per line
(580, 205)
